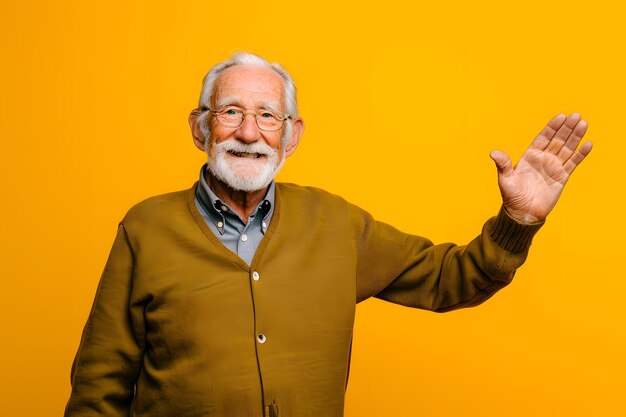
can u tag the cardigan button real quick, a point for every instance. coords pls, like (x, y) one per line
(255, 276)
(261, 338)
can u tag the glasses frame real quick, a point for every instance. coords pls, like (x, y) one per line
(281, 118)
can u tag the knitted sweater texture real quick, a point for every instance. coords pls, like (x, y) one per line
(181, 326)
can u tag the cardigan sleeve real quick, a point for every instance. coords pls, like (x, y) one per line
(412, 271)
(109, 357)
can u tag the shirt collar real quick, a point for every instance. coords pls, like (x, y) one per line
(216, 209)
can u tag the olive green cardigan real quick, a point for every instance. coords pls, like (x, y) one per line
(181, 326)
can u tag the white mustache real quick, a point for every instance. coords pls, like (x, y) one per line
(237, 146)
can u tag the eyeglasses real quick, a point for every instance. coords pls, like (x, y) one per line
(231, 116)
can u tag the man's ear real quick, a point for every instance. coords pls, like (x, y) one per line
(296, 134)
(196, 131)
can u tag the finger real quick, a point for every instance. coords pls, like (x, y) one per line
(543, 138)
(572, 142)
(577, 158)
(563, 133)
(503, 162)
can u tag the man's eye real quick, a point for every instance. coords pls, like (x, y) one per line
(230, 112)
(266, 115)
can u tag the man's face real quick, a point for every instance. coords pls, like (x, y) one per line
(246, 158)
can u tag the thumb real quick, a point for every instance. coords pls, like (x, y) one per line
(503, 162)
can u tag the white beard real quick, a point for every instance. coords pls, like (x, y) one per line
(244, 173)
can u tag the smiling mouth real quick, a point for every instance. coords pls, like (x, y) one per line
(246, 154)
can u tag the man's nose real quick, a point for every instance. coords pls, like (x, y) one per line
(248, 131)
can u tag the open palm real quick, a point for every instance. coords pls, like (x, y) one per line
(531, 188)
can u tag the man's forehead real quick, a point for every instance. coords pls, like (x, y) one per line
(249, 84)
(221, 101)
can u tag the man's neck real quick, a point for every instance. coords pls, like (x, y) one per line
(244, 203)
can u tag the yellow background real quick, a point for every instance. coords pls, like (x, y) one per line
(403, 102)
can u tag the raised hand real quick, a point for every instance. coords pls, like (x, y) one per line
(531, 188)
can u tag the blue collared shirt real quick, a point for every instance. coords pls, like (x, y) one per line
(240, 237)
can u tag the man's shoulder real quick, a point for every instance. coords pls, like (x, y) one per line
(313, 198)
(160, 207)
(295, 192)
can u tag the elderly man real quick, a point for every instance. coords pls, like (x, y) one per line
(237, 297)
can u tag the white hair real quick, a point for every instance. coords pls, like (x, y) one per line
(246, 58)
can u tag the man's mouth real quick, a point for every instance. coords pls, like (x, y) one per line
(246, 154)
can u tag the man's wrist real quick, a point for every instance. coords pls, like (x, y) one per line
(512, 235)
(523, 218)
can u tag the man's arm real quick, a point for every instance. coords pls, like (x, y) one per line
(109, 357)
(410, 270)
